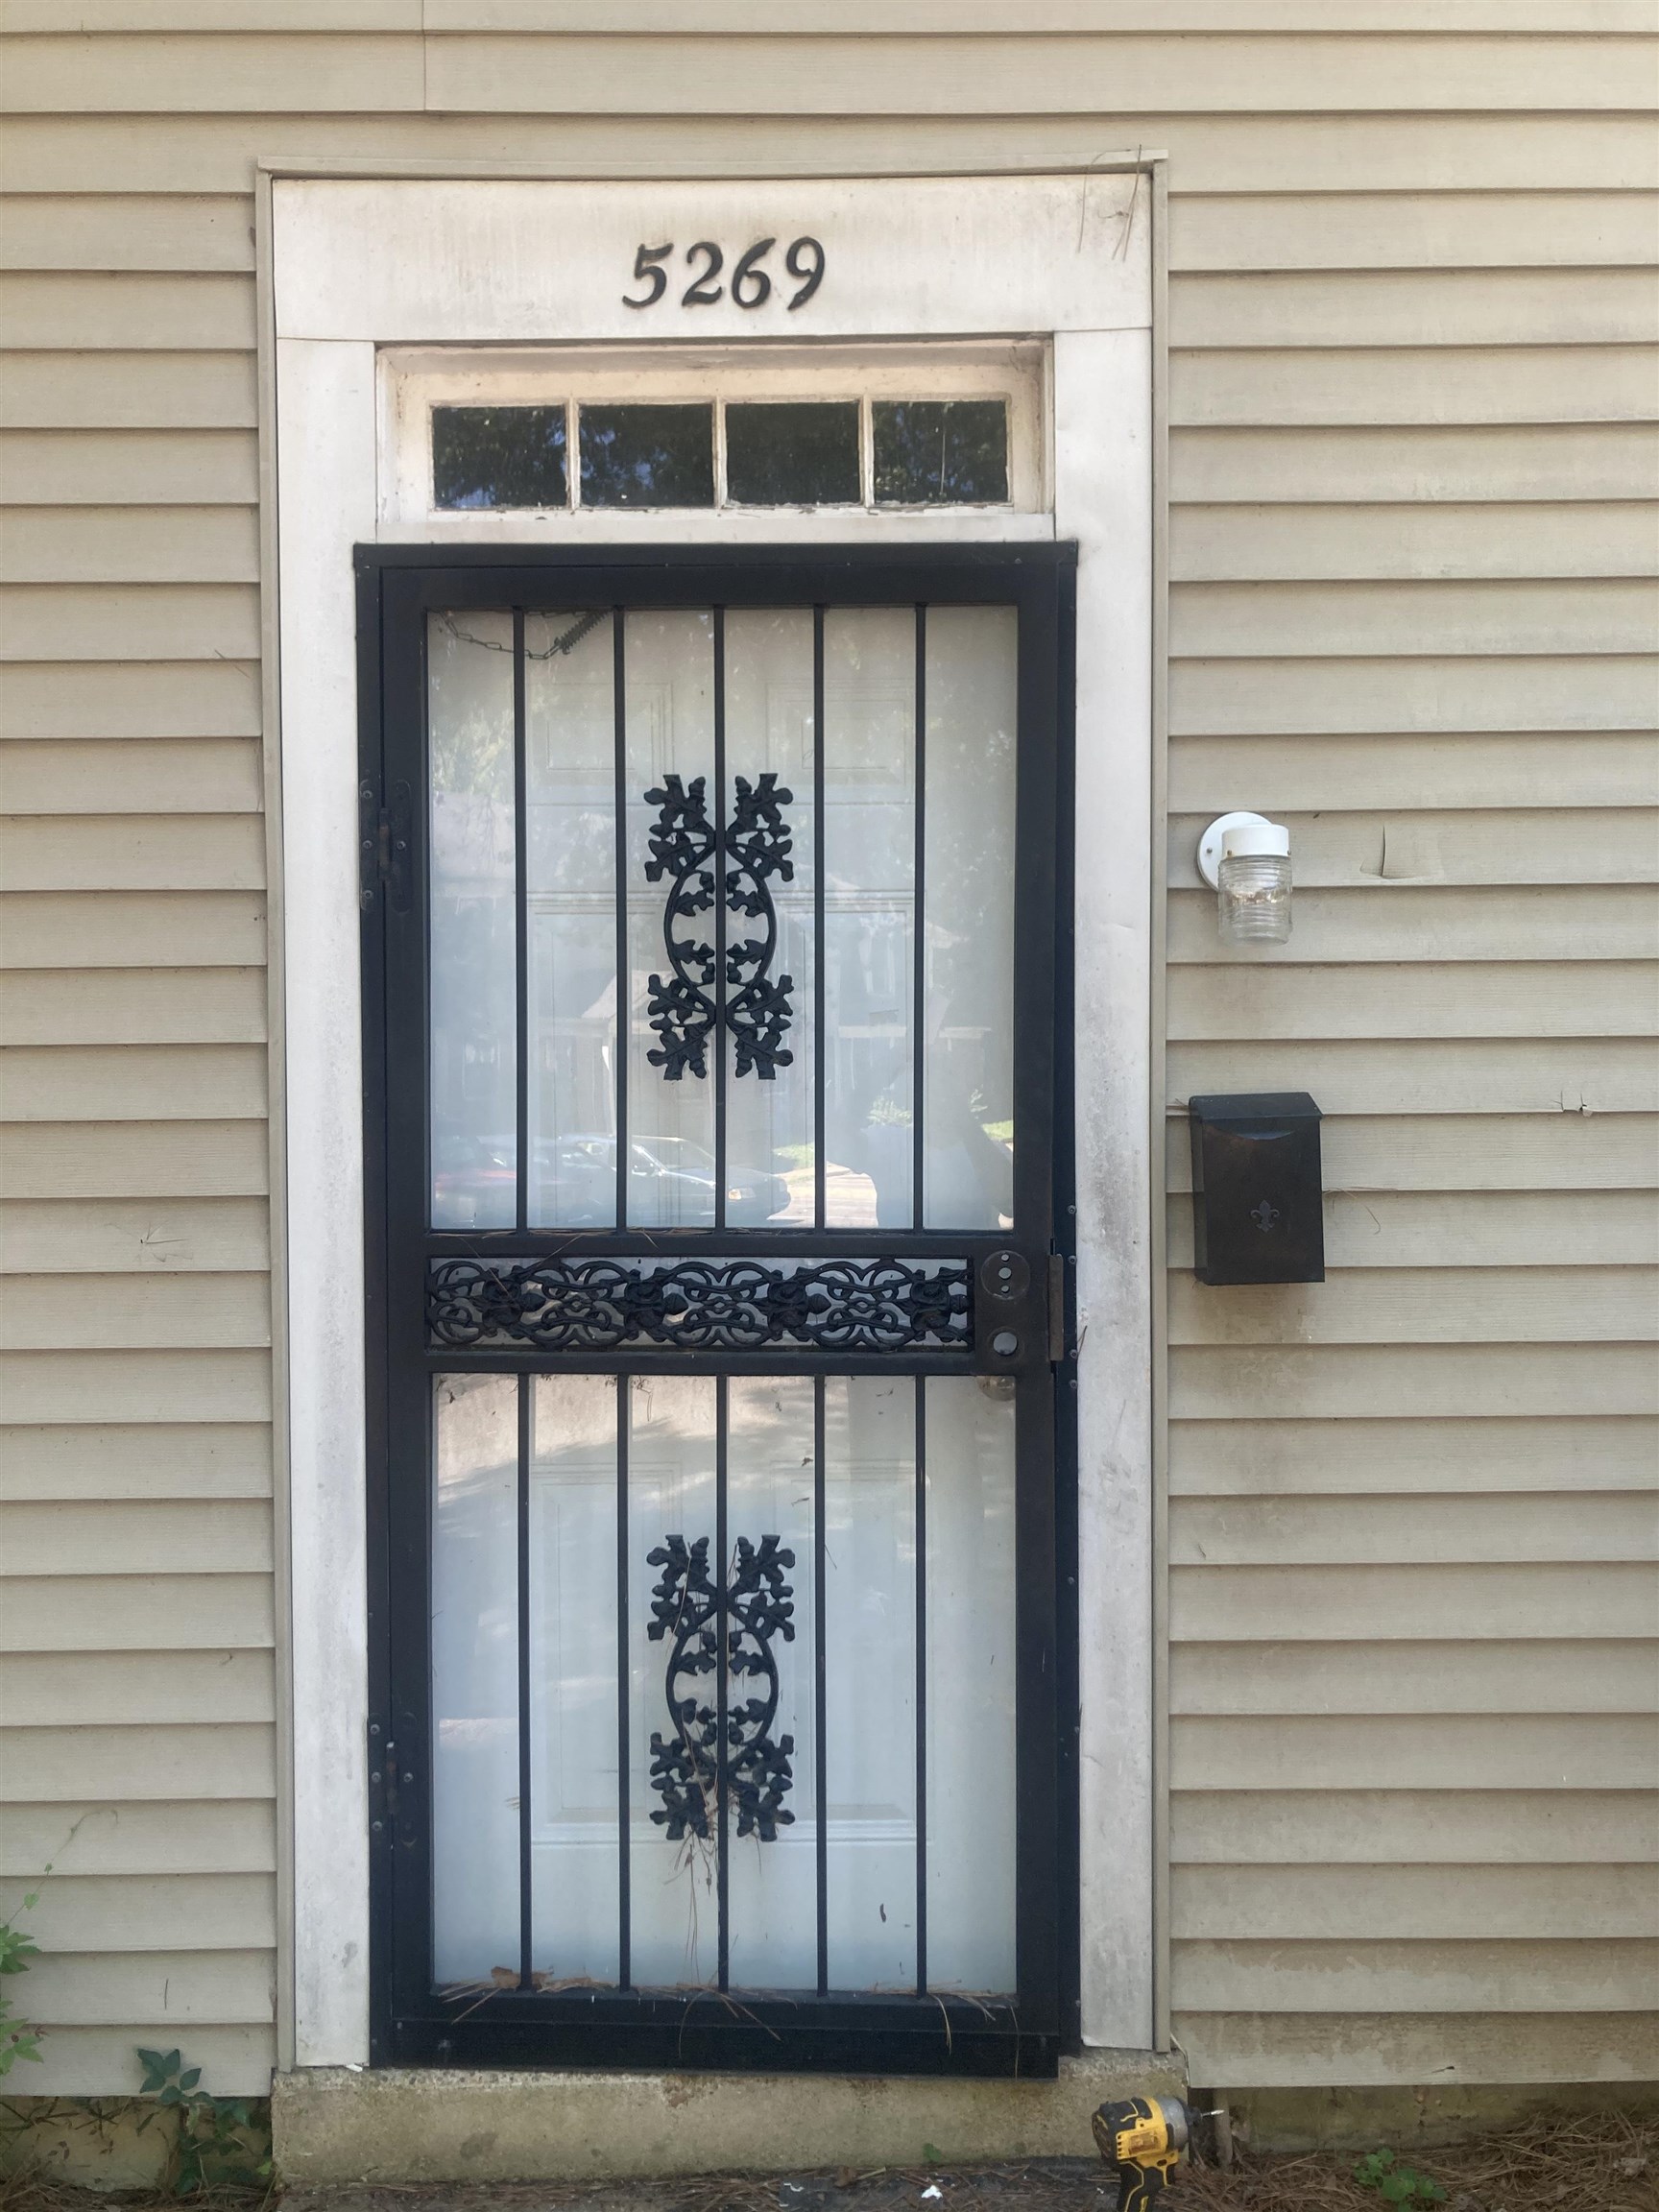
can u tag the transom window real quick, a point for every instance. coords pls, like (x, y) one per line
(723, 452)
(544, 440)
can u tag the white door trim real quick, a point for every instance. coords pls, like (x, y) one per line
(360, 264)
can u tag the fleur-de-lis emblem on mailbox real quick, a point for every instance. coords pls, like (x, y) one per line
(1265, 1215)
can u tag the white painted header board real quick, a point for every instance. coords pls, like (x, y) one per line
(400, 262)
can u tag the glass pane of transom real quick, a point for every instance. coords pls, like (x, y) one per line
(641, 456)
(932, 452)
(801, 453)
(498, 456)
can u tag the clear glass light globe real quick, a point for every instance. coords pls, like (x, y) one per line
(1253, 891)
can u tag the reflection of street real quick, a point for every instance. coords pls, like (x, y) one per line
(849, 1198)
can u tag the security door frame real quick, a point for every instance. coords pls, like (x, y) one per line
(934, 2030)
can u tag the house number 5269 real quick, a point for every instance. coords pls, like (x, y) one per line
(751, 283)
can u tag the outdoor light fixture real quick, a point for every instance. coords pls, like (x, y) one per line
(1247, 859)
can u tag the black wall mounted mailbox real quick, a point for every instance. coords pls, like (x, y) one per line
(1257, 1210)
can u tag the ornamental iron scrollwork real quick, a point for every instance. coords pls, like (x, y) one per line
(682, 1010)
(708, 1626)
(685, 1009)
(757, 841)
(575, 1304)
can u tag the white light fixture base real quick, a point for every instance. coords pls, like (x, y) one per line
(1210, 844)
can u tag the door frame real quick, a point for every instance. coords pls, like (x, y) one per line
(934, 2032)
(1072, 259)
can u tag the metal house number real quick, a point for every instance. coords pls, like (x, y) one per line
(751, 283)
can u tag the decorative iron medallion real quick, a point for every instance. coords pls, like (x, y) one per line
(685, 1009)
(682, 1010)
(755, 1605)
(701, 1305)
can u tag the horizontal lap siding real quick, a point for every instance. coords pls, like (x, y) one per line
(1412, 1639)
(1412, 532)
(138, 1697)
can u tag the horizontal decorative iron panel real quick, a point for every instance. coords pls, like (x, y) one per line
(573, 1305)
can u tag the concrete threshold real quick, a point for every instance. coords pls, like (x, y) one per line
(336, 2126)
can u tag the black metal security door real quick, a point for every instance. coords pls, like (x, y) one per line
(715, 1306)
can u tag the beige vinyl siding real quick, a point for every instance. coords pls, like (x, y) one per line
(136, 1692)
(1410, 1630)
(1412, 542)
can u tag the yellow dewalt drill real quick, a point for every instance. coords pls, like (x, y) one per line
(1142, 2139)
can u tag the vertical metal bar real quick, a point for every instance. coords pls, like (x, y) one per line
(521, 922)
(526, 1384)
(718, 864)
(521, 1161)
(624, 979)
(920, 1386)
(820, 974)
(1068, 1691)
(624, 1891)
(820, 1688)
(918, 923)
(1038, 927)
(722, 1654)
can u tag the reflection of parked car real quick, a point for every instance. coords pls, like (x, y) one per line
(575, 1186)
(473, 1181)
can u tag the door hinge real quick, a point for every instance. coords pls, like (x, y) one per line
(1056, 1307)
(382, 1784)
(383, 845)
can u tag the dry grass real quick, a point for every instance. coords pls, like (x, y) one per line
(1598, 2162)
(44, 2193)
(1605, 2162)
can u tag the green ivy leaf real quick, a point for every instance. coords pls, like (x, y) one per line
(15, 1951)
(18, 2043)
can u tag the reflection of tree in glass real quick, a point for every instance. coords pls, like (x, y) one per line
(929, 451)
(805, 453)
(498, 456)
(647, 456)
